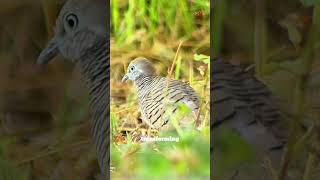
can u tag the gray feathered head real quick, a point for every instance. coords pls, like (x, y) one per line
(137, 67)
(79, 25)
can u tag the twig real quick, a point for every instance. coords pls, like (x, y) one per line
(202, 95)
(309, 167)
(174, 61)
(137, 128)
(268, 166)
(125, 109)
(48, 153)
(308, 56)
(191, 72)
(260, 36)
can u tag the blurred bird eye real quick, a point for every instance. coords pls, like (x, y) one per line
(132, 68)
(71, 21)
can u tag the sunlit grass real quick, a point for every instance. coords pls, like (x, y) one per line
(174, 17)
(170, 34)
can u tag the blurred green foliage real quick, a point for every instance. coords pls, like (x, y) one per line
(40, 99)
(172, 18)
(230, 150)
(165, 32)
(156, 29)
(281, 39)
(188, 158)
(10, 172)
(310, 2)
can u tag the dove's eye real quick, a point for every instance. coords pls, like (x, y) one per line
(71, 22)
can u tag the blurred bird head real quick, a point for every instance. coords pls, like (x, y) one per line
(137, 67)
(78, 27)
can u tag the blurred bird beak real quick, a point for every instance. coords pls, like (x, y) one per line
(49, 52)
(125, 78)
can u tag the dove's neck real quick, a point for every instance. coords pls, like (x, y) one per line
(143, 82)
(95, 71)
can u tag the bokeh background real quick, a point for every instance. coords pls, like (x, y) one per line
(281, 40)
(45, 127)
(159, 31)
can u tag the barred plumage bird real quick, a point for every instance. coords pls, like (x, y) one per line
(158, 96)
(82, 36)
(248, 107)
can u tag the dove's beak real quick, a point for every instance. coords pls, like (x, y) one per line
(125, 78)
(49, 52)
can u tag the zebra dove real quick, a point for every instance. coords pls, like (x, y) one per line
(82, 36)
(246, 105)
(154, 93)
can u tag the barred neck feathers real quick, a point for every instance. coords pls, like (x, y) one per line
(95, 70)
(95, 67)
(144, 81)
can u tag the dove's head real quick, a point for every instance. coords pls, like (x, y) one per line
(80, 24)
(137, 67)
